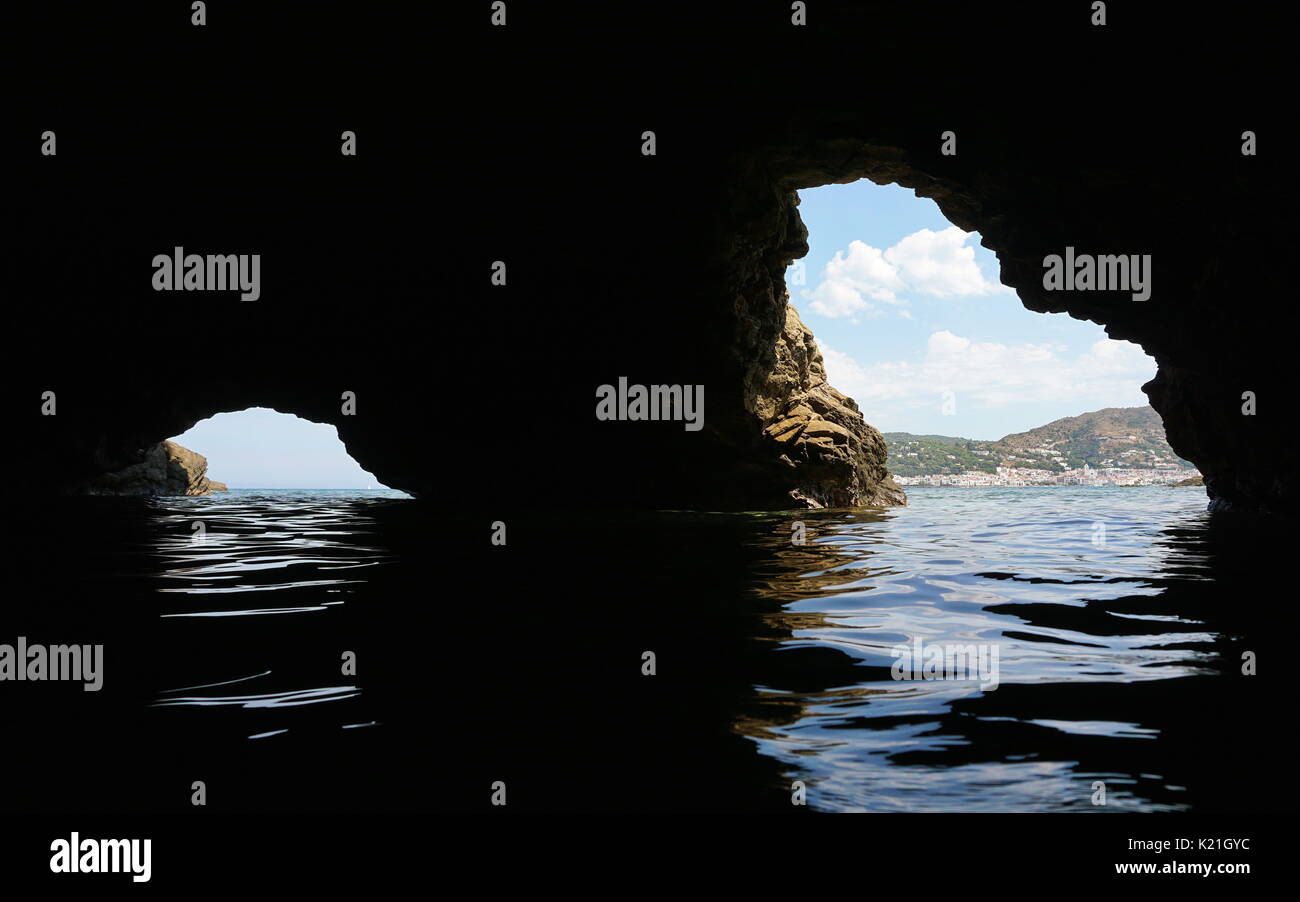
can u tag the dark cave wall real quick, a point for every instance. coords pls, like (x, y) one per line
(665, 270)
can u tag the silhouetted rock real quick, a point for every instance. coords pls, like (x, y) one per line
(164, 469)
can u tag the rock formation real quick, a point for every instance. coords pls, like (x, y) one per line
(839, 459)
(165, 468)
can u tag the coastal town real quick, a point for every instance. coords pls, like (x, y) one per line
(1115, 446)
(1024, 476)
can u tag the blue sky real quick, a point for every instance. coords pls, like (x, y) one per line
(260, 448)
(906, 307)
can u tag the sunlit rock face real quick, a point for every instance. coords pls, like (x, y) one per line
(838, 459)
(163, 469)
(376, 271)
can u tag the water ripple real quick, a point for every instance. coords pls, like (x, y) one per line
(1060, 607)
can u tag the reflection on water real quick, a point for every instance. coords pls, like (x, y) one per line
(1082, 624)
(227, 648)
(238, 549)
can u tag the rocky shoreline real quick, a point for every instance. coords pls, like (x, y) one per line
(837, 459)
(163, 469)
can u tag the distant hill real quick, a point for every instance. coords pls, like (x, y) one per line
(1112, 437)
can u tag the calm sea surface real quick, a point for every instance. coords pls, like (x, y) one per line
(1119, 617)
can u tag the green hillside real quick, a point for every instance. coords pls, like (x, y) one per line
(1113, 437)
(922, 455)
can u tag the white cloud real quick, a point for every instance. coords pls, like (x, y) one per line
(939, 264)
(989, 374)
(847, 278)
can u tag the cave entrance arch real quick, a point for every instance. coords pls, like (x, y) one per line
(367, 430)
(913, 323)
(261, 448)
(1028, 201)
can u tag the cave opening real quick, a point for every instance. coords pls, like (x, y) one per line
(967, 385)
(264, 449)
